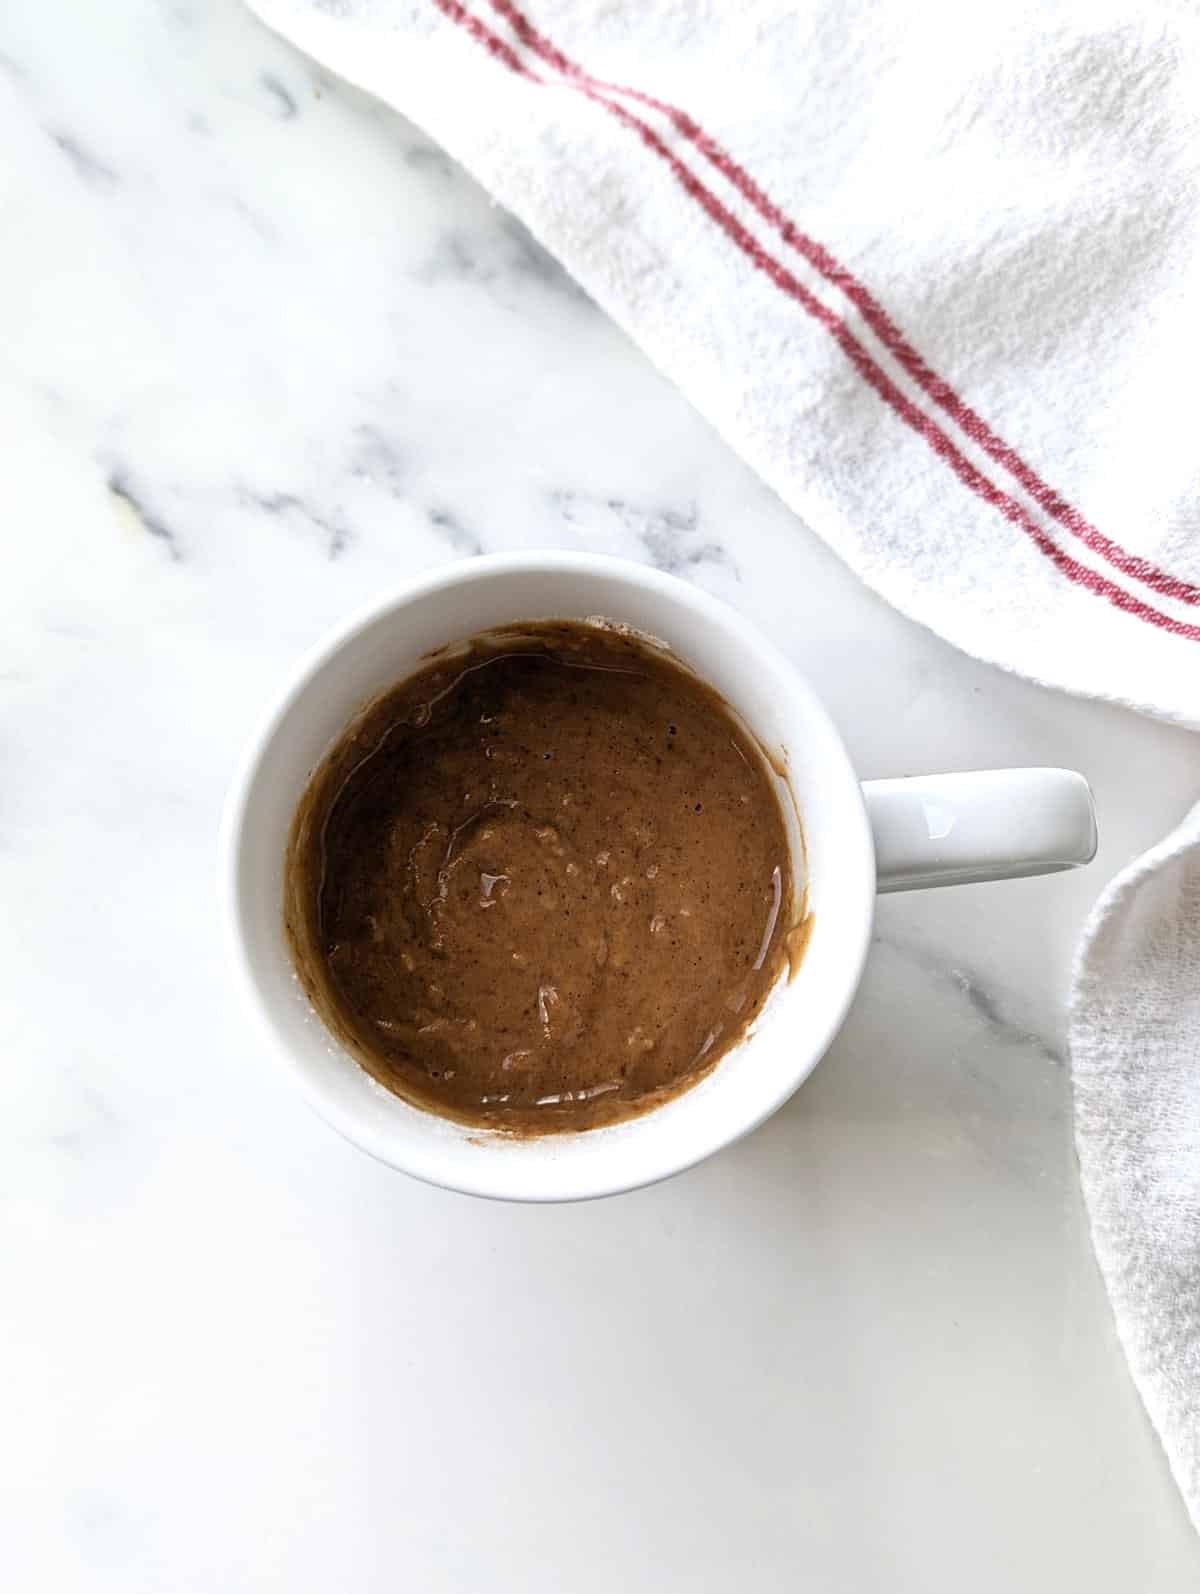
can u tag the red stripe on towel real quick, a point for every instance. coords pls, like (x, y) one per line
(873, 313)
(482, 34)
(866, 365)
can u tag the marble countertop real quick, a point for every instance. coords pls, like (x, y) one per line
(267, 351)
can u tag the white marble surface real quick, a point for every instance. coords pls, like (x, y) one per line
(265, 351)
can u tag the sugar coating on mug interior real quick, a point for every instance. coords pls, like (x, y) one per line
(544, 884)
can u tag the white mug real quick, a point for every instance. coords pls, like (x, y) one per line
(857, 840)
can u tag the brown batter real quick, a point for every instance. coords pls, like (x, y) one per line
(542, 885)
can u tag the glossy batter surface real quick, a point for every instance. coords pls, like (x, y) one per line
(541, 885)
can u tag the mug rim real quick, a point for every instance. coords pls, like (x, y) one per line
(321, 656)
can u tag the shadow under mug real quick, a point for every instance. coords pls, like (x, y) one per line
(849, 840)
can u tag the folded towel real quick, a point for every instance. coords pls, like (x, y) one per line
(1135, 1024)
(932, 271)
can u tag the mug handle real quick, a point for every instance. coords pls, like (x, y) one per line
(992, 824)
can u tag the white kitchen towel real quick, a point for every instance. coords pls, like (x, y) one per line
(1135, 1028)
(933, 271)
